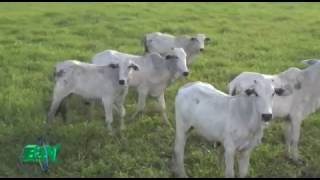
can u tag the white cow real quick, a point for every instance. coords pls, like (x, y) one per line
(234, 121)
(281, 80)
(304, 100)
(93, 82)
(155, 74)
(162, 42)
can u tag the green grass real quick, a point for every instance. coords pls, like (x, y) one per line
(262, 37)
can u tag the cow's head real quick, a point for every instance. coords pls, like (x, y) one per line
(178, 61)
(125, 67)
(199, 41)
(263, 91)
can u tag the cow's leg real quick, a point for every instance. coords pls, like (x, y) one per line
(220, 155)
(162, 104)
(179, 146)
(292, 136)
(142, 95)
(62, 109)
(229, 154)
(107, 103)
(60, 92)
(296, 126)
(288, 137)
(243, 162)
(122, 112)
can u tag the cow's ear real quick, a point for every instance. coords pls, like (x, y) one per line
(135, 67)
(171, 57)
(234, 92)
(113, 66)
(250, 91)
(279, 91)
(193, 38)
(284, 90)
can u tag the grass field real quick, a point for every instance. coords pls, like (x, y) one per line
(262, 37)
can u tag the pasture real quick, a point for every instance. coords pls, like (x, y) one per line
(261, 37)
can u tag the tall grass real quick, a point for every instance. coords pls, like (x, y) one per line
(262, 37)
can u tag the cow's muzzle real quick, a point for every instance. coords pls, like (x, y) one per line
(266, 117)
(121, 82)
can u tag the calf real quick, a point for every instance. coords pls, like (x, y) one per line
(162, 42)
(93, 82)
(234, 121)
(304, 100)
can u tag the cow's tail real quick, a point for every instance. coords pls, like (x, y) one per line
(52, 77)
(57, 73)
(144, 43)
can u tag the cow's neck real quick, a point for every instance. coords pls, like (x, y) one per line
(253, 121)
(164, 73)
(171, 68)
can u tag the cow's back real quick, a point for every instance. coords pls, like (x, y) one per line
(159, 42)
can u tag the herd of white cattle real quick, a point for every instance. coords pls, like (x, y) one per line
(236, 121)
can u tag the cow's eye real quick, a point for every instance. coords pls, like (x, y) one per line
(273, 94)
